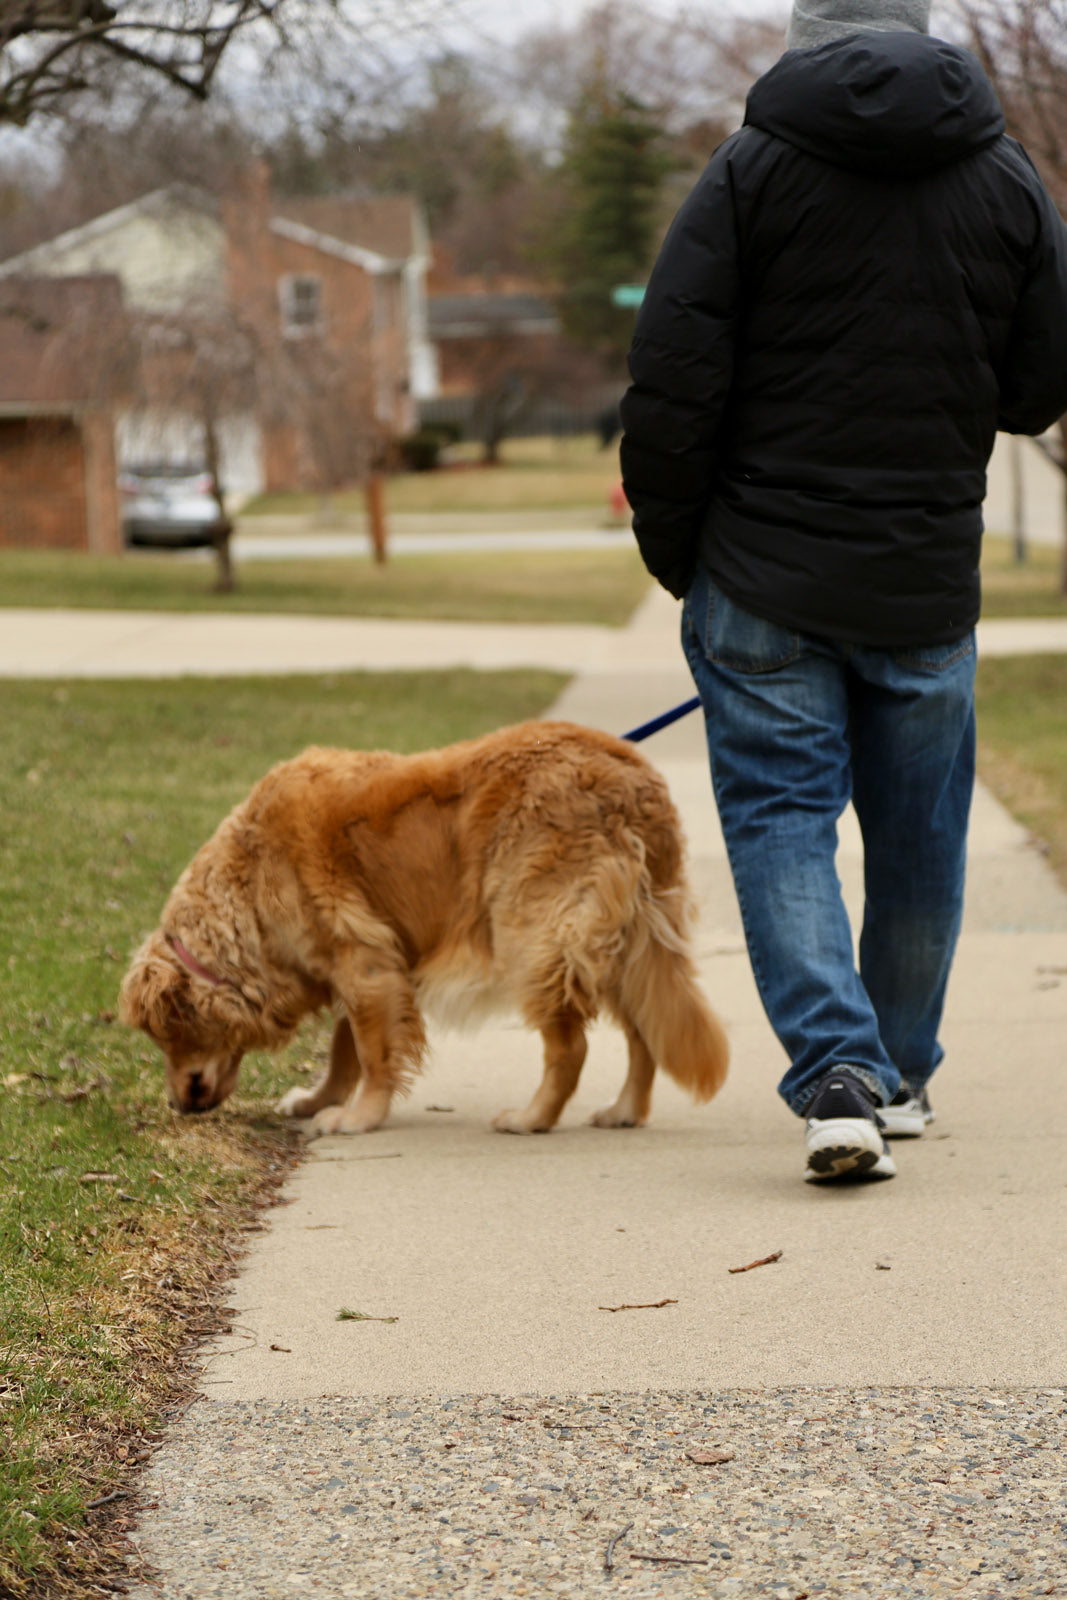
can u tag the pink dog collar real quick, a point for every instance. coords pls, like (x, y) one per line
(188, 960)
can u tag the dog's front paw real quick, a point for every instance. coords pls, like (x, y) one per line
(348, 1119)
(325, 1121)
(296, 1103)
(616, 1116)
(519, 1122)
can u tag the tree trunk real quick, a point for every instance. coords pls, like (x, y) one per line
(374, 500)
(225, 581)
(1018, 500)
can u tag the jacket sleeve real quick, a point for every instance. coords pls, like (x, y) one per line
(681, 364)
(1033, 379)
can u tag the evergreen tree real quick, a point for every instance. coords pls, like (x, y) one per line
(615, 160)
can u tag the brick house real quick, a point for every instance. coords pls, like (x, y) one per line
(324, 297)
(60, 383)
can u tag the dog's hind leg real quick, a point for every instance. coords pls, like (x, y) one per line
(334, 1088)
(565, 1048)
(631, 1108)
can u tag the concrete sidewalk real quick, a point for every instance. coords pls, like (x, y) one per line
(611, 1217)
(392, 1458)
(166, 644)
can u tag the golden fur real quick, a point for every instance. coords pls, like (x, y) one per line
(540, 867)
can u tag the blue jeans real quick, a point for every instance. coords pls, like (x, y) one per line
(796, 727)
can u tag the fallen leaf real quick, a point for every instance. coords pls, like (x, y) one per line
(710, 1458)
(344, 1315)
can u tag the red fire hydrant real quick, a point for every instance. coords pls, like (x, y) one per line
(617, 501)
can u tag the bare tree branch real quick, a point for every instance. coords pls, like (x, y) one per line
(1022, 44)
(54, 50)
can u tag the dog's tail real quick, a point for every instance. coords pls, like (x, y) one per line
(661, 996)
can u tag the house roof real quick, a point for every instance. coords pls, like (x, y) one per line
(376, 230)
(62, 342)
(384, 225)
(175, 198)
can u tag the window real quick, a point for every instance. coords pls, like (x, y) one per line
(301, 303)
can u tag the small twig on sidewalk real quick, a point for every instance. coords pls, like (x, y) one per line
(645, 1305)
(673, 1561)
(609, 1553)
(764, 1261)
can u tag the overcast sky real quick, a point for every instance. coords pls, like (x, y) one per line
(508, 18)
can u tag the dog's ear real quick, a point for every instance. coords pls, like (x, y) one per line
(154, 996)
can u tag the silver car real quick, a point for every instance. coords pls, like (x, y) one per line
(169, 506)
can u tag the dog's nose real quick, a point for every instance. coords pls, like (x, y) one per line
(197, 1095)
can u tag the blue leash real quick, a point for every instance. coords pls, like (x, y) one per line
(664, 720)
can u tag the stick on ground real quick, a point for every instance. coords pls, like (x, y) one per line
(764, 1261)
(609, 1553)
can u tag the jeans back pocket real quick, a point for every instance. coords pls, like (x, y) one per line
(735, 638)
(934, 657)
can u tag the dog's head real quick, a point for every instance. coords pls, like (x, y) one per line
(200, 1021)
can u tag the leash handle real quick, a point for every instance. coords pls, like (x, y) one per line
(664, 720)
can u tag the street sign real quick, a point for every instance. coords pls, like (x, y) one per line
(628, 294)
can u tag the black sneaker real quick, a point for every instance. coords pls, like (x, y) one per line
(907, 1115)
(844, 1133)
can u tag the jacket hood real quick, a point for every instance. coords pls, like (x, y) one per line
(895, 104)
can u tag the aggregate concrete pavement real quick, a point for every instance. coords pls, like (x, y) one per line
(913, 1330)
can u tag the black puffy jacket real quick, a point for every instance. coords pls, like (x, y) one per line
(867, 281)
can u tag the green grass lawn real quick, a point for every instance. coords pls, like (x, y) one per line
(1022, 744)
(532, 475)
(1027, 589)
(598, 586)
(118, 1219)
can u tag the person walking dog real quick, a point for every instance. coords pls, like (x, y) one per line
(868, 281)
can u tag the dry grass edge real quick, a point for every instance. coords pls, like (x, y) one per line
(102, 1557)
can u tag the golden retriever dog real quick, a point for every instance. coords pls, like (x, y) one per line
(539, 868)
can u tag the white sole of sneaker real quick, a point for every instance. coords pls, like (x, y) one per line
(907, 1121)
(843, 1147)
